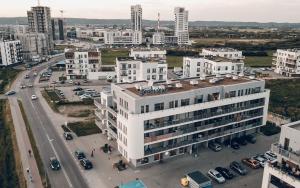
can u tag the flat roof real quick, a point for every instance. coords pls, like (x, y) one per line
(147, 49)
(198, 177)
(175, 86)
(216, 58)
(222, 49)
(294, 125)
(143, 60)
(134, 184)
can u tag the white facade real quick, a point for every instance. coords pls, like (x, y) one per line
(286, 172)
(10, 53)
(201, 66)
(130, 69)
(181, 25)
(156, 121)
(158, 38)
(83, 64)
(287, 62)
(145, 53)
(123, 37)
(228, 53)
(136, 17)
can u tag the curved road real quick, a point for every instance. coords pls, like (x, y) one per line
(49, 142)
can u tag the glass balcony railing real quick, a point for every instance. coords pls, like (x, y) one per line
(290, 154)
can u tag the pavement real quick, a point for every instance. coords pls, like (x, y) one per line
(49, 142)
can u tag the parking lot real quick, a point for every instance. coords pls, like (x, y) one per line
(168, 173)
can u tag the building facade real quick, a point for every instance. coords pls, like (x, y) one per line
(10, 53)
(287, 62)
(156, 121)
(130, 69)
(123, 37)
(202, 66)
(58, 27)
(158, 38)
(181, 25)
(83, 64)
(285, 173)
(136, 17)
(228, 53)
(146, 53)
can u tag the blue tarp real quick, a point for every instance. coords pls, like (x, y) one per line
(134, 184)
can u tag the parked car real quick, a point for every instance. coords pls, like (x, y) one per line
(85, 81)
(85, 96)
(77, 83)
(12, 92)
(250, 138)
(234, 145)
(216, 176)
(252, 163)
(54, 164)
(68, 136)
(237, 167)
(79, 92)
(33, 97)
(27, 76)
(30, 85)
(77, 89)
(214, 146)
(226, 173)
(261, 159)
(70, 81)
(241, 141)
(86, 164)
(22, 86)
(79, 154)
(270, 156)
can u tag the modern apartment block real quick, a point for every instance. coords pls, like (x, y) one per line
(156, 121)
(158, 38)
(83, 64)
(287, 62)
(181, 25)
(39, 21)
(123, 37)
(58, 27)
(136, 17)
(228, 53)
(211, 65)
(34, 44)
(285, 173)
(131, 69)
(10, 52)
(146, 53)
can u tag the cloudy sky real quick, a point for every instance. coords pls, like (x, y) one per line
(206, 10)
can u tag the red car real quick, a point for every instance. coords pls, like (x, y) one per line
(252, 163)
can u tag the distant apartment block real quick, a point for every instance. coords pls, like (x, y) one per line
(10, 52)
(158, 38)
(130, 69)
(228, 53)
(123, 37)
(181, 25)
(144, 53)
(285, 173)
(156, 121)
(59, 31)
(136, 17)
(287, 62)
(211, 65)
(83, 64)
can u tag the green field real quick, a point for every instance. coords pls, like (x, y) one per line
(174, 61)
(84, 128)
(285, 97)
(109, 56)
(7, 75)
(259, 61)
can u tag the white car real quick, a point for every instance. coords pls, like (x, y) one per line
(33, 97)
(271, 156)
(85, 96)
(29, 85)
(70, 82)
(216, 176)
(261, 159)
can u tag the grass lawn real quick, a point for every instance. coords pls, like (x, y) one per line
(10, 171)
(7, 75)
(174, 61)
(84, 128)
(109, 55)
(258, 61)
(285, 97)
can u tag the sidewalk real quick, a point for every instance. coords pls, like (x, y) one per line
(24, 143)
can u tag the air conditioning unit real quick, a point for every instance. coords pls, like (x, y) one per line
(194, 82)
(178, 85)
(251, 77)
(212, 81)
(235, 77)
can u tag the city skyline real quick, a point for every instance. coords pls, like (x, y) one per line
(206, 10)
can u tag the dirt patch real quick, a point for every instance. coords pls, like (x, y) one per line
(86, 111)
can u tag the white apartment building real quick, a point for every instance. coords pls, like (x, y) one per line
(129, 69)
(136, 17)
(158, 38)
(10, 53)
(156, 121)
(228, 53)
(285, 173)
(145, 53)
(287, 62)
(123, 37)
(202, 66)
(83, 64)
(181, 25)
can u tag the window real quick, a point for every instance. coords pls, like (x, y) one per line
(148, 70)
(176, 103)
(134, 66)
(142, 109)
(185, 102)
(232, 94)
(199, 99)
(153, 70)
(147, 108)
(171, 104)
(148, 77)
(158, 106)
(129, 65)
(153, 77)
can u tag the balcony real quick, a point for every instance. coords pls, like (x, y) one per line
(155, 150)
(112, 121)
(97, 103)
(290, 154)
(112, 110)
(99, 114)
(198, 117)
(100, 124)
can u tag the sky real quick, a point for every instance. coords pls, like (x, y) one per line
(202, 10)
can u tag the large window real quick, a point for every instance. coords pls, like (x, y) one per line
(185, 102)
(158, 106)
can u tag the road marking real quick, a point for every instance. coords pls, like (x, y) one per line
(52, 146)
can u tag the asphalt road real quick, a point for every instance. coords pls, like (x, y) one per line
(49, 142)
